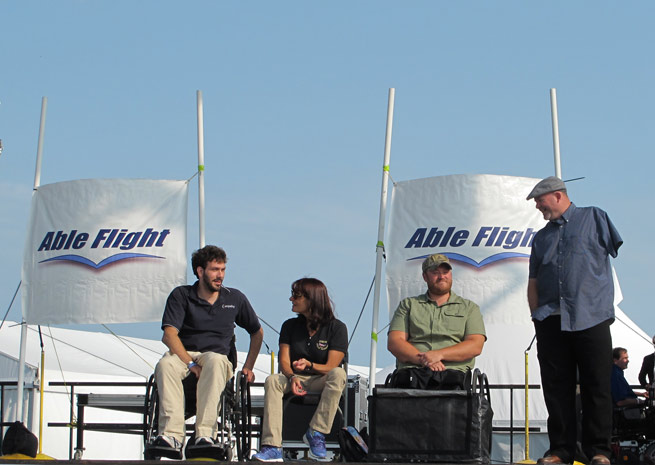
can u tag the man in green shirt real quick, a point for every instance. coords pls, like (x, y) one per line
(438, 329)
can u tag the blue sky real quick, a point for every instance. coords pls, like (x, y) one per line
(295, 97)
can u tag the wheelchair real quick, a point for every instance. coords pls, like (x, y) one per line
(234, 421)
(633, 433)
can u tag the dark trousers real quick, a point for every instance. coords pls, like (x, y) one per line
(562, 356)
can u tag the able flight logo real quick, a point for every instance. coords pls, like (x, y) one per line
(132, 245)
(486, 237)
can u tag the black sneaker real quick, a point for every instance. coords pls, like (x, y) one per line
(163, 446)
(204, 441)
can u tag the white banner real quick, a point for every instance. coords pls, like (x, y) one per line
(104, 250)
(485, 226)
(481, 222)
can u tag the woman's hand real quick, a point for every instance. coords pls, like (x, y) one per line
(296, 386)
(302, 365)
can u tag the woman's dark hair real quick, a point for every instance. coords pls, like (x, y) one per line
(320, 305)
(201, 257)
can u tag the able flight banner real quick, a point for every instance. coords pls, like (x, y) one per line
(104, 250)
(482, 223)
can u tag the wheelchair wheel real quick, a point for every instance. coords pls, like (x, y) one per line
(150, 413)
(242, 416)
(648, 456)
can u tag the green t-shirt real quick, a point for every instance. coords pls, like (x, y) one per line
(431, 327)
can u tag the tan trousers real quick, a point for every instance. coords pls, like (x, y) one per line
(169, 373)
(330, 385)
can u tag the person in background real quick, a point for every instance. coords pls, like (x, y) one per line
(646, 372)
(622, 393)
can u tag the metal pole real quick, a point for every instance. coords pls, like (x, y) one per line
(20, 416)
(526, 433)
(380, 244)
(201, 170)
(553, 111)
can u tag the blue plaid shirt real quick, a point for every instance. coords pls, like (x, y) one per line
(570, 261)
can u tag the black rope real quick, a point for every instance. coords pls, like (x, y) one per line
(268, 349)
(361, 311)
(264, 321)
(10, 304)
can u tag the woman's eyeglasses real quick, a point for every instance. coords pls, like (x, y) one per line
(297, 295)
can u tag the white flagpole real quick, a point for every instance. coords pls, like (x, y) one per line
(201, 170)
(20, 415)
(553, 111)
(380, 244)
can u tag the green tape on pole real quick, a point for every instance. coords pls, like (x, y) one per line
(374, 336)
(201, 167)
(385, 168)
(380, 244)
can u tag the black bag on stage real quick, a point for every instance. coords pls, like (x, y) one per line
(412, 425)
(425, 378)
(19, 440)
(352, 444)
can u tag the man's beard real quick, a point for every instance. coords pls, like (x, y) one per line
(210, 284)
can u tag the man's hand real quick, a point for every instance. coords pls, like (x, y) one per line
(248, 373)
(296, 386)
(196, 369)
(437, 366)
(430, 358)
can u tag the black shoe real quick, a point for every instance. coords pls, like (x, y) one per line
(550, 460)
(600, 460)
(204, 441)
(164, 446)
(205, 447)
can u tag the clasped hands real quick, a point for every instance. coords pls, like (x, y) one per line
(432, 360)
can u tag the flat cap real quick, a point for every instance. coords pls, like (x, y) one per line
(436, 260)
(550, 184)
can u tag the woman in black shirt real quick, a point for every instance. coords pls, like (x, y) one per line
(313, 346)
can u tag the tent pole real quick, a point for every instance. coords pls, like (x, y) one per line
(380, 244)
(23, 330)
(553, 111)
(201, 170)
(41, 391)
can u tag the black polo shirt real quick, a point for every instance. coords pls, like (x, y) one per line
(332, 336)
(204, 327)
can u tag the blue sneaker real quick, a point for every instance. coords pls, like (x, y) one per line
(316, 442)
(269, 454)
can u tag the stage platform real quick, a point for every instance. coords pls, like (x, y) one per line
(181, 462)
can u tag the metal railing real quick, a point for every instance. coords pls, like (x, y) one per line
(72, 423)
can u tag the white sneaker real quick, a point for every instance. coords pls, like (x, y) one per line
(168, 442)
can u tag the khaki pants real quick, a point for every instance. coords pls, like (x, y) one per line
(169, 373)
(330, 385)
